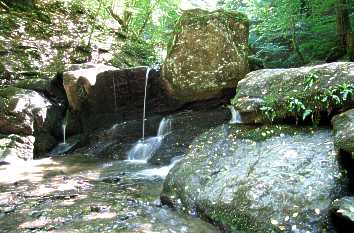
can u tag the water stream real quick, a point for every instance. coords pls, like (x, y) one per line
(236, 117)
(88, 195)
(144, 149)
(64, 132)
(145, 95)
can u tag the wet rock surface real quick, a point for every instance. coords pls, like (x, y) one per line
(116, 141)
(259, 179)
(207, 56)
(317, 88)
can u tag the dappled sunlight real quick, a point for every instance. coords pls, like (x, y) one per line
(32, 171)
(104, 215)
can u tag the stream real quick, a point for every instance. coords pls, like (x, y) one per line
(80, 193)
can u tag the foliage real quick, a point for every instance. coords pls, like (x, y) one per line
(149, 23)
(302, 106)
(289, 33)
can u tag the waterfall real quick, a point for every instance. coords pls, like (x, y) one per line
(64, 124)
(165, 127)
(236, 117)
(64, 132)
(145, 94)
(160, 172)
(144, 149)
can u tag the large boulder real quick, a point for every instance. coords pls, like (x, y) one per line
(343, 126)
(252, 179)
(100, 95)
(296, 93)
(29, 115)
(208, 55)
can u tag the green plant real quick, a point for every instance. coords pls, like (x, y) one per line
(268, 107)
(309, 80)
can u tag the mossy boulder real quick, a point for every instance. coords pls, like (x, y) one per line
(343, 126)
(259, 179)
(296, 93)
(208, 55)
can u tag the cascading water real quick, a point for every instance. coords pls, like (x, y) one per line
(145, 95)
(236, 117)
(159, 172)
(165, 127)
(64, 132)
(144, 149)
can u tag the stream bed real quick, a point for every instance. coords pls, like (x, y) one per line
(80, 193)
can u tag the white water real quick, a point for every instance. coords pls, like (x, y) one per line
(160, 172)
(165, 127)
(64, 133)
(145, 94)
(144, 149)
(236, 117)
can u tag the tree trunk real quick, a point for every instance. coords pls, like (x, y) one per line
(344, 29)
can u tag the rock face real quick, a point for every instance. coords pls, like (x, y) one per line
(21, 110)
(14, 147)
(208, 55)
(26, 114)
(115, 141)
(258, 179)
(305, 92)
(103, 94)
(343, 126)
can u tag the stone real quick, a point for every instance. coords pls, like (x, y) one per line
(27, 113)
(103, 95)
(343, 127)
(15, 147)
(117, 140)
(343, 211)
(305, 92)
(259, 179)
(21, 111)
(81, 78)
(208, 55)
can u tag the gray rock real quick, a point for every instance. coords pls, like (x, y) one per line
(265, 179)
(343, 126)
(318, 88)
(28, 114)
(207, 56)
(22, 110)
(15, 147)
